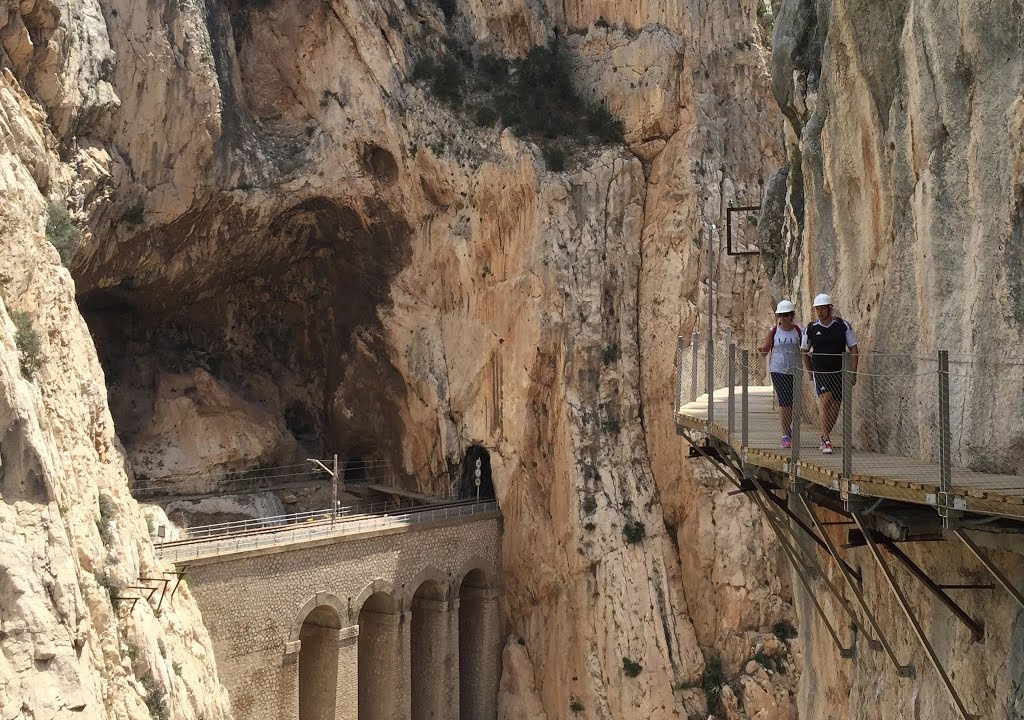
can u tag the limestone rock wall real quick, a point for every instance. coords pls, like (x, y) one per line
(904, 202)
(905, 125)
(71, 537)
(278, 218)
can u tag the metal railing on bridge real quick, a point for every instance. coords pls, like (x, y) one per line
(303, 527)
(278, 522)
(948, 420)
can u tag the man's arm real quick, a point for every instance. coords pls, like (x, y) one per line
(851, 344)
(805, 347)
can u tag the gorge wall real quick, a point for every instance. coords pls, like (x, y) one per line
(903, 127)
(290, 244)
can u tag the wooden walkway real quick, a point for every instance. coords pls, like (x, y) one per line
(874, 475)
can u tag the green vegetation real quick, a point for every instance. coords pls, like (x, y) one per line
(631, 668)
(534, 96)
(784, 630)
(611, 354)
(634, 531)
(575, 706)
(106, 517)
(61, 231)
(589, 526)
(768, 663)
(109, 583)
(711, 682)
(136, 214)
(766, 18)
(554, 157)
(486, 117)
(156, 700)
(589, 504)
(30, 349)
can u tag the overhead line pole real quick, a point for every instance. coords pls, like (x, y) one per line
(334, 484)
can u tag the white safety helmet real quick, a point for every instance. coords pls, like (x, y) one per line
(785, 306)
(821, 300)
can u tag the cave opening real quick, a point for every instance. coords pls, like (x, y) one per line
(229, 345)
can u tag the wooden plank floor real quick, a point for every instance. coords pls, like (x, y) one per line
(874, 474)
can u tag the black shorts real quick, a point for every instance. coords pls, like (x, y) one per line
(783, 383)
(829, 382)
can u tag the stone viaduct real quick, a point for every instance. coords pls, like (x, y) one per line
(399, 623)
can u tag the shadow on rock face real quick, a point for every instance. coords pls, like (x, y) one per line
(282, 315)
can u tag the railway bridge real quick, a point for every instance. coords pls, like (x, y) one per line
(383, 615)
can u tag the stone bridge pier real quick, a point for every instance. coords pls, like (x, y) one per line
(389, 627)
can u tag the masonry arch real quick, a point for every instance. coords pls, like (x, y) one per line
(376, 587)
(318, 663)
(474, 563)
(328, 599)
(430, 646)
(479, 641)
(380, 674)
(419, 581)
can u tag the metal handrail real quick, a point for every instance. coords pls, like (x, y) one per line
(238, 543)
(276, 521)
(939, 433)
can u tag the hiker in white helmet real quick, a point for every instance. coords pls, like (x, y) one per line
(783, 342)
(823, 344)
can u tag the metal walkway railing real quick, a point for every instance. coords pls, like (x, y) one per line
(945, 430)
(314, 526)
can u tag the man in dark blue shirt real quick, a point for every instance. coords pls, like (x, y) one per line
(824, 343)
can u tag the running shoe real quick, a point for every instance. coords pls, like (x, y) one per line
(826, 447)
(786, 442)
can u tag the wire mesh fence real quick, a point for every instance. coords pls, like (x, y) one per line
(942, 429)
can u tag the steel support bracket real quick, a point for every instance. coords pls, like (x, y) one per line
(977, 627)
(991, 567)
(914, 622)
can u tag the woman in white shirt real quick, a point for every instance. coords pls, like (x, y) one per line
(783, 342)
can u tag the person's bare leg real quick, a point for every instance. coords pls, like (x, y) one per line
(786, 419)
(831, 413)
(823, 413)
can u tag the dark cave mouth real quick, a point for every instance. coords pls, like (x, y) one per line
(277, 331)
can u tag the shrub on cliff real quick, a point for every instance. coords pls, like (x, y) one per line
(534, 96)
(61, 230)
(634, 531)
(30, 349)
(711, 682)
(156, 699)
(631, 668)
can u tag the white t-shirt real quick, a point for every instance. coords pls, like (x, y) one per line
(785, 351)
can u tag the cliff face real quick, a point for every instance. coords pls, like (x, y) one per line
(904, 202)
(76, 640)
(291, 242)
